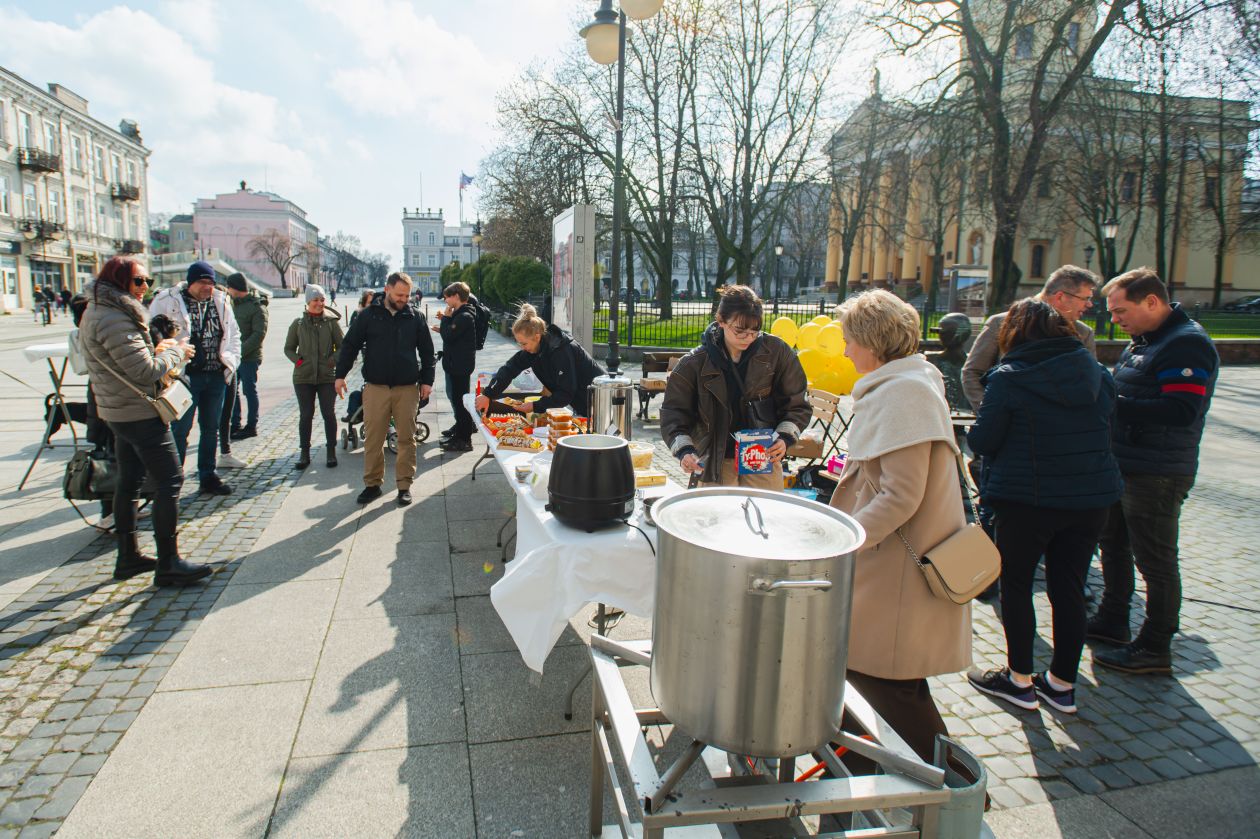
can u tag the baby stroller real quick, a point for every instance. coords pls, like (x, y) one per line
(354, 433)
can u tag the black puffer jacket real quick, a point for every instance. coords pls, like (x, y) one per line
(697, 411)
(561, 364)
(397, 346)
(1044, 428)
(459, 340)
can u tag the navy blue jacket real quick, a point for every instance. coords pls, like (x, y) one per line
(1164, 385)
(1044, 428)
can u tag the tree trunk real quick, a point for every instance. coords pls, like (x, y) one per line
(1218, 268)
(1004, 274)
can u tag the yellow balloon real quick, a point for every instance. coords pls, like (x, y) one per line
(807, 336)
(831, 382)
(831, 340)
(846, 375)
(814, 363)
(821, 320)
(786, 329)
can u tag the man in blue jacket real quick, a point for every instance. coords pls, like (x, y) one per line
(1164, 384)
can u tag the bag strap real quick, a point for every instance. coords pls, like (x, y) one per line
(962, 474)
(118, 375)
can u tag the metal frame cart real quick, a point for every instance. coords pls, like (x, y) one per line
(912, 798)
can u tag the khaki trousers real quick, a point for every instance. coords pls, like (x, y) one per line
(380, 405)
(732, 478)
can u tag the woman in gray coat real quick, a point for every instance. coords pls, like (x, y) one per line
(124, 366)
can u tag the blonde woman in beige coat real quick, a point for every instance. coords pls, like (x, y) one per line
(900, 475)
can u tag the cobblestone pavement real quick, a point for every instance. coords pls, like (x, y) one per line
(1134, 730)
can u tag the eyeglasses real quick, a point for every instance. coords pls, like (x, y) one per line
(742, 333)
(142, 281)
(1085, 297)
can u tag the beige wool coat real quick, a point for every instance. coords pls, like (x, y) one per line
(903, 478)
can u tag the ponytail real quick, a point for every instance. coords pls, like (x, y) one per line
(527, 322)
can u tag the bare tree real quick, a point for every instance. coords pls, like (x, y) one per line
(279, 251)
(1019, 64)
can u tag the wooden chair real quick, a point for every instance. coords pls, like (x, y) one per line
(833, 423)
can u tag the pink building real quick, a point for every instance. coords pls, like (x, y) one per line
(231, 221)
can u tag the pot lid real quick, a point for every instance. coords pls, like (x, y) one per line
(607, 381)
(758, 524)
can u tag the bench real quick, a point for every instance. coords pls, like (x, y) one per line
(656, 369)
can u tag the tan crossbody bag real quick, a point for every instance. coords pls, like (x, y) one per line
(963, 565)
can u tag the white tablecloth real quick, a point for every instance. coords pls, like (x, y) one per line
(557, 570)
(38, 352)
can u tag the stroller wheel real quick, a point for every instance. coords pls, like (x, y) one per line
(422, 432)
(391, 441)
(345, 440)
(354, 439)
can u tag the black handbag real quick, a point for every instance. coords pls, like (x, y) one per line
(90, 476)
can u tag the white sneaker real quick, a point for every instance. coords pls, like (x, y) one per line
(105, 523)
(229, 461)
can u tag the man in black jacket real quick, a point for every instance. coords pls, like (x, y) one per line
(1164, 384)
(397, 356)
(458, 328)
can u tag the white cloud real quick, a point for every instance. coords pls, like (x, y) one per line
(409, 65)
(205, 135)
(196, 20)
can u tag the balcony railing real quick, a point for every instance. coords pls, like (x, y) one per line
(129, 246)
(124, 192)
(41, 229)
(38, 160)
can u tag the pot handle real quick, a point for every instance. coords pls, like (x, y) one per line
(762, 584)
(760, 527)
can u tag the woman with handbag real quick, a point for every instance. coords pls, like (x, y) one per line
(312, 345)
(129, 380)
(738, 379)
(901, 483)
(1044, 429)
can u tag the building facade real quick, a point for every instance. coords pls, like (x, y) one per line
(73, 191)
(234, 223)
(429, 245)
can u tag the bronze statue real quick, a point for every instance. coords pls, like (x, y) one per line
(954, 331)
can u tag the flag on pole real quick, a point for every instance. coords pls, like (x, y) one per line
(464, 180)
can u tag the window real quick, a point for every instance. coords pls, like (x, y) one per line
(116, 168)
(76, 153)
(26, 134)
(4, 126)
(1209, 192)
(432, 238)
(80, 220)
(119, 232)
(50, 138)
(1044, 185)
(432, 258)
(1073, 36)
(1128, 187)
(415, 237)
(1024, 42)
(100, 163)
(56, 211)
(102, 220)
(30, 206)
(131, 174)
(415, 258)
(181, 235)
(1037, 268)
(4, 196)
(135, 225)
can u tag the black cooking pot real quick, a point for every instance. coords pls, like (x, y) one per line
(592, 481)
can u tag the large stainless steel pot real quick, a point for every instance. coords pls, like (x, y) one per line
(612, 402)
(751, 626)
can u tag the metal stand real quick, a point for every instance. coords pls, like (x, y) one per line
(601, 626)
(500, 543)
(58, 382)
(488, 455)
(912, 800)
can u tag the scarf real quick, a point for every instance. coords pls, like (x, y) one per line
(898, 405)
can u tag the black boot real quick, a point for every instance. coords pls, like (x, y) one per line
(131, 562)
(1109, 629)
(172, 570)
(331, 462)
(305, 459)
(1139, 657)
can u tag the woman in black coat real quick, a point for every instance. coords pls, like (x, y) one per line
(560, 363)
(1044, 429)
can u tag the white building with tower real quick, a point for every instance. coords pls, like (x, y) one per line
(429, 245)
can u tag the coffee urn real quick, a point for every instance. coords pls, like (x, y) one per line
(611, 400)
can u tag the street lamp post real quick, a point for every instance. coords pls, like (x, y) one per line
(1111, 229)
(778, 257)
(1089, 255)
(476, 240)
(605, 43)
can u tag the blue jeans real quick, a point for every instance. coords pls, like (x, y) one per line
(247, 377)
(208, 390)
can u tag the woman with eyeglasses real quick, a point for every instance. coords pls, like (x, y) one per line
(738, 379)
(560, 363)
(125, 367)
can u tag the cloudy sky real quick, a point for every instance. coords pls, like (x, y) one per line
(350, 108)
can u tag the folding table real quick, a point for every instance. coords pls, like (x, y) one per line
(49, 353)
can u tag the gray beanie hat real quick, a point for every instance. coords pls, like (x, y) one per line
(314, 292)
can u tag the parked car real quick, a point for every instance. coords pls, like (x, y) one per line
(1249, 304)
